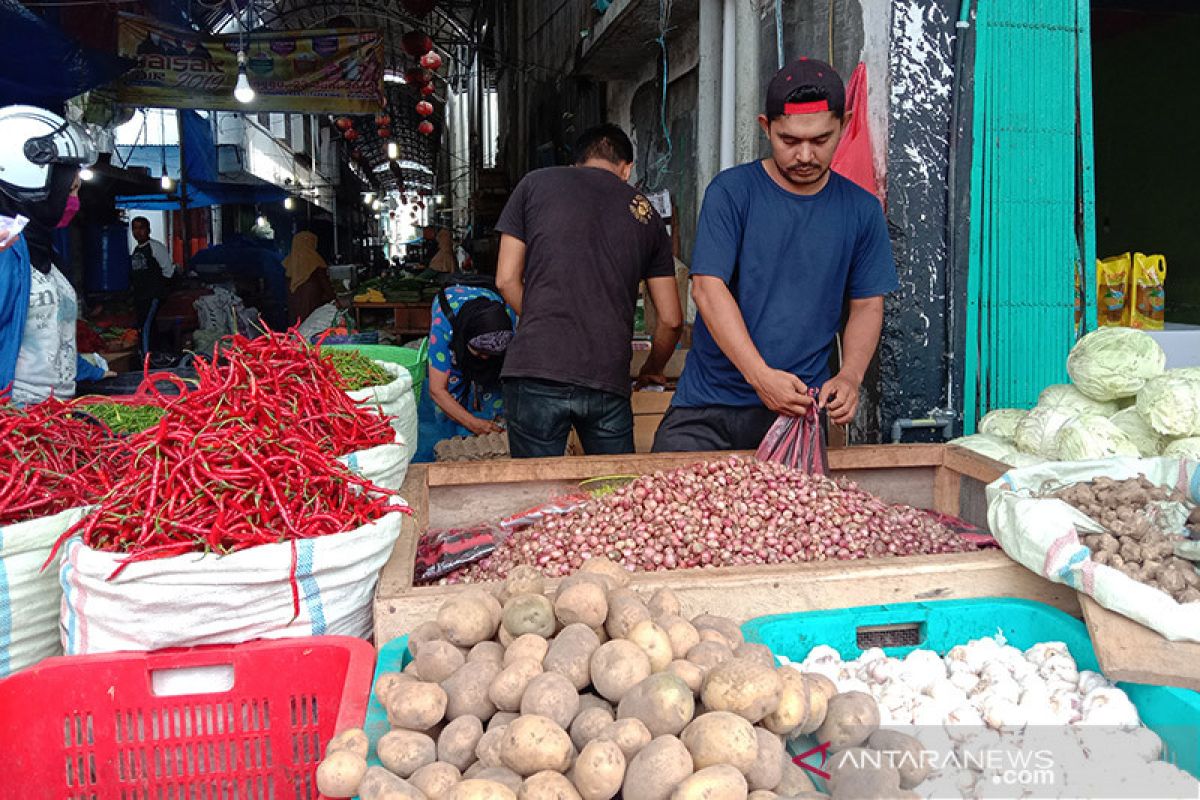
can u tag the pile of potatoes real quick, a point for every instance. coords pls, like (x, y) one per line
(594, 693)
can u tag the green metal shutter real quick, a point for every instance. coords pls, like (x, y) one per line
(1032, 220)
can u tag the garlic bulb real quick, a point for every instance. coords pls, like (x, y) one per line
(1089, 680)
(1108, 706)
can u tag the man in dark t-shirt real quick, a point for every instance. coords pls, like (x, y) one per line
(577, 243)
(785, 250)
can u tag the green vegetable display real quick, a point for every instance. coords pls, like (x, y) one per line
(124, 418)
(1111, 363)
(357, 370)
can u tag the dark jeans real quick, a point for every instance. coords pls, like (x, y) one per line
(541, 414)
(687, 430)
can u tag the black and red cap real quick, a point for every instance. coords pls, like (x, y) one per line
(806, 86)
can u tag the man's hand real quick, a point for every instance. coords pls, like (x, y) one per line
(481, 427)
(840, 396)
(645, 379)
(782, 392)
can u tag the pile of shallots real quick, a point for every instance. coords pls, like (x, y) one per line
(735, 511)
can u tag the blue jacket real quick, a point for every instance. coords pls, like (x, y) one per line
(15, 283)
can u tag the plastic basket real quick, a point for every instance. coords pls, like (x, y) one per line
(393, 657)
(246, 721)
(1174, 714)
(413, 359)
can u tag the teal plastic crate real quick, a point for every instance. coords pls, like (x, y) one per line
(393, 657)
(1174, 714)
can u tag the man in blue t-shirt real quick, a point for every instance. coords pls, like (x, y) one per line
(786, 250)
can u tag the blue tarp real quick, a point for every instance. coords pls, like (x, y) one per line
(205, 186)
(41, 66)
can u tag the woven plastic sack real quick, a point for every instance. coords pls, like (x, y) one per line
(29, 597)
(1043, 535)
(305, 587)
(387, 465)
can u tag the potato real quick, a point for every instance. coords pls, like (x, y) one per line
(663, 702)
(386, 683)
(508, 687)
(591, 700)
(631, 735)
(664, 603)
(727, 627)
(379, 784)
(476, 789)
(603, 566)
(687, 672)
(547, 786)
(707, 655)
(588, 724)
(767, 771)
(340, 773)
(756, 652)
(466, 620)
(458, 740)
(793, 706)
(528, 645)
(503, 776)
(488, 748)
(533, 743)
(625, 609)
(581, 601)
(851, 718)
(501, 718)
(523, 579)
(353, 739)
(488, 598)
(487, 651)
(683, 634)
(851, 777)
(467, 690)
(410, 671)
(599, 770)
(905, 753)
(655, 772)
(718, 782)
(529, 613)
(716, 637)
(438, 660)
(820, 690)
(416, 705)
(654, 641)
(427, 631)
(570, 654)
(721, 737)
(617, 666)
(405, 752)
(551, 695)
(436, 780)
(795, 781)
(742, 686)
(762, 794)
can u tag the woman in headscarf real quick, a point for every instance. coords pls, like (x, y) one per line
(471, 329)
(309, 287)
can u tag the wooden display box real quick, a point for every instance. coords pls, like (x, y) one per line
(949, 479)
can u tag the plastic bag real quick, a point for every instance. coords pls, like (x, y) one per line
(798, 442)
(558, 505)
(854, 158)
(1149, 295)
(443, 551)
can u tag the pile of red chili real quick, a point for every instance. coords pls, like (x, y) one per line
(245, 456)
(51, 459)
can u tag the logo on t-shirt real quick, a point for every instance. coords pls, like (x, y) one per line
(641, 209)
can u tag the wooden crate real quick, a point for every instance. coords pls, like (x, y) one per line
(948, 479)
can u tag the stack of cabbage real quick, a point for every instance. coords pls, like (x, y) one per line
(1121, 402)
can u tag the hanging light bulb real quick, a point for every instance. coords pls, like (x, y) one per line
(376, 205)
(243, 92)
(289, 203)
(166, 182)
(86, 174)
(368, 197)
(393, 151)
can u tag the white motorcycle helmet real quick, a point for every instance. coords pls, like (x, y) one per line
(31, 141)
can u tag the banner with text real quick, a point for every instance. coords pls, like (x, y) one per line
(308, 71)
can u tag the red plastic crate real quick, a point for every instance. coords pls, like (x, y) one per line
(93, 727)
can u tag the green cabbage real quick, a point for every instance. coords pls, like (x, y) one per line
(1066, 397)
(1171, 402)
(1089, 437)
(1035, 434)
(1002, 422)
(986, 445)
(1110, 363)
(1147, 440)
(1188, 448)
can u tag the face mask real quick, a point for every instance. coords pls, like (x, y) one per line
(69, 212)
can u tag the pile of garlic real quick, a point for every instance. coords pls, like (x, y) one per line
(983, 705)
